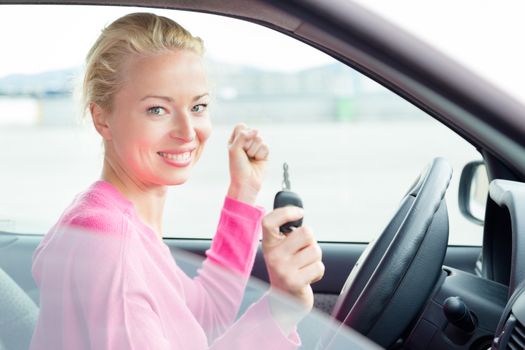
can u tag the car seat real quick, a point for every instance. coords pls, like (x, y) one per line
(18, 315)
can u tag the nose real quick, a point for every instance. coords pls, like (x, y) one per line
(183, 128)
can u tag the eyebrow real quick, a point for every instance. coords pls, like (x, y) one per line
(169, 99)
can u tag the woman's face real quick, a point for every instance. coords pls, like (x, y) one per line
(159, 122)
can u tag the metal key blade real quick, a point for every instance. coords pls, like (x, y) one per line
(287, 186)
(285, 198)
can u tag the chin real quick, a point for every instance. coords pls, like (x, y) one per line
(175, 182)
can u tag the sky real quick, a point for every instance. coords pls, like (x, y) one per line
(484, 35)
(52, 37)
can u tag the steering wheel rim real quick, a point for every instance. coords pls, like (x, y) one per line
(395, 275)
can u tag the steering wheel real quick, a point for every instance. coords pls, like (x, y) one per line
(395, 275)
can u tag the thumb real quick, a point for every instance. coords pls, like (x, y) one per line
(242, 139)
(276, 218)
(235, 131)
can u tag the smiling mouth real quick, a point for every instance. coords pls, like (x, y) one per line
(176, 157)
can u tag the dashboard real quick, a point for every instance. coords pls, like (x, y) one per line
(480, 312)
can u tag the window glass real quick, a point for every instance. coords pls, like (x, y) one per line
(353, 147)
(478, 34)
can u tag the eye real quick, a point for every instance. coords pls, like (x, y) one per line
(199, 108)
(157, 111)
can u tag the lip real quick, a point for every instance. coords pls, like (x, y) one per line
(177, 151)
(177, 163)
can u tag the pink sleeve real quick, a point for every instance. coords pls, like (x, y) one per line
(214, 296)
(235, 242)
(257, 329)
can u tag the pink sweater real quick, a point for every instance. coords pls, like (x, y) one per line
(107, 282)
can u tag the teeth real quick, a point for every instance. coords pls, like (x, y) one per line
(180, 157)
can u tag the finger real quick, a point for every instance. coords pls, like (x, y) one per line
(252, 138)
(307, 256)
(298, 240)
(312, 273)
(263, 152)
(273, 220)
(280, 216)
(236, 130)
(254, 146)
(242, 140)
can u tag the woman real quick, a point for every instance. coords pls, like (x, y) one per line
(107, 280)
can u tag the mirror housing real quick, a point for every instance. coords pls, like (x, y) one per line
(473, 191)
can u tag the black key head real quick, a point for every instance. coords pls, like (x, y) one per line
(283, 199)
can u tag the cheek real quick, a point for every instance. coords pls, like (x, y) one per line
(203, 131)
(132, 139)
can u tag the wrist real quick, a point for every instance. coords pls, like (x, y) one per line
(242, 193)
(286, 312)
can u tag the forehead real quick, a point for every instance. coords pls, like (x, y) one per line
(180, 70)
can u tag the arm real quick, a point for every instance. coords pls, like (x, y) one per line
(214, 296)
(293, 262)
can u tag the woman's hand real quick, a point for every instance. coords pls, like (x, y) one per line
(293, 262)
(248, 155)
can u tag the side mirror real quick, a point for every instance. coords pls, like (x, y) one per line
(473, 191)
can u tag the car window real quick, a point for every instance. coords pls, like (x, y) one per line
(352, 146)
(480, 47)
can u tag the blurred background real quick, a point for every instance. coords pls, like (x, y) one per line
(353, 147)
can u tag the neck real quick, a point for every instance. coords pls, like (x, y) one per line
(148, 200)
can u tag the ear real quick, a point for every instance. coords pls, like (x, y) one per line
(100, 120)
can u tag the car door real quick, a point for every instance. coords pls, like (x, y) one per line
(352, 146)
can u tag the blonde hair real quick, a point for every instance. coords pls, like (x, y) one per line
(133, 34)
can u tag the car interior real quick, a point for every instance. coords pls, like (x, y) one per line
(409, 287)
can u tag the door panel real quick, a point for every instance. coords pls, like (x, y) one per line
(339, 258)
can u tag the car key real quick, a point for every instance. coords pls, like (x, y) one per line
(287, 197)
